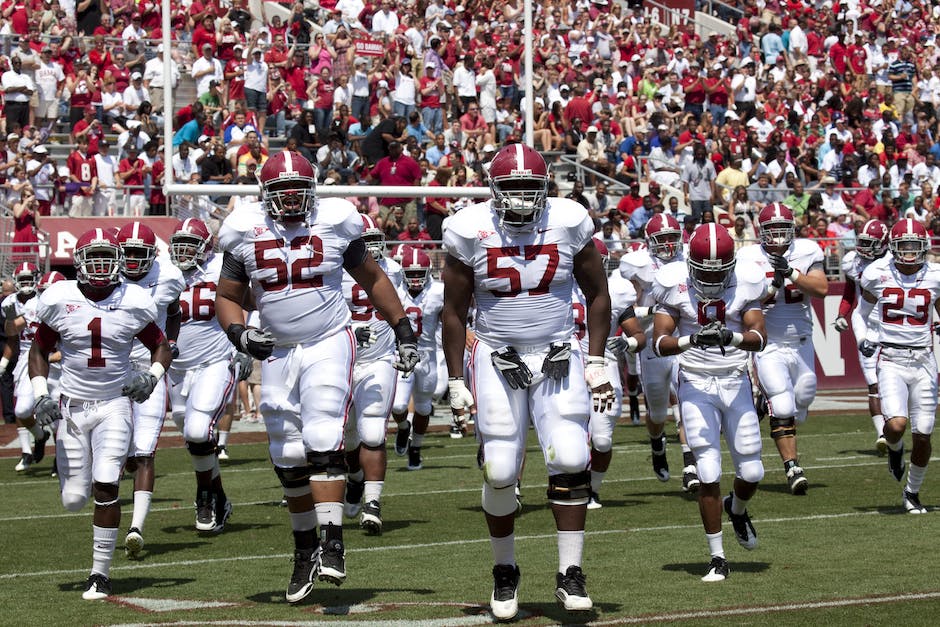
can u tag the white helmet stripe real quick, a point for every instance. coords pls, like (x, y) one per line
(288, 162)
(713, 241)
(520, 155)
(910, 226)
(99, 233)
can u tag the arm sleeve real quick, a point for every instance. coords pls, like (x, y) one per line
(151, 336)
(47, 337)
(233, 268)
(355, 254)
(848, 298)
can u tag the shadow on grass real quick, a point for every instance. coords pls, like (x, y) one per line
(888, 510)
(330, 600)
(868, 452)
(425, 465)
(243, 461)
(781, 487)
(558, 615)
(699, 568)
(125, 584)
(230, 528)
(161, 548)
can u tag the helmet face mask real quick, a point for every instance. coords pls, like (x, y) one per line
(663, 236)
(711, 260)
(710, 278)
(776, 227)
(374, 237)
(908, 243)
(99, 264)
(288, 187)
(416, 266)
(519, 183)
(26, 278)
(872, 242)
(417, 278)
(138, 249)
(189, 244)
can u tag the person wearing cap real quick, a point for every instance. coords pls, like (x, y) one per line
(206, 68)
(744, 89)
(255, 74)
(385, 20)
(106, 165)
(134, 95)
(359, 83)
(465, 82)
(154, 80)
(432, 88)
(396, 169)
(592, 155)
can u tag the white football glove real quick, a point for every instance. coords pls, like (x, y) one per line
(244, 363)
(460, 397)
(602, 392)
(841, 324)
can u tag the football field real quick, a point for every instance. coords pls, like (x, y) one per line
(846, 553)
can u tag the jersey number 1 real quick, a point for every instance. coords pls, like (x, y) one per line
(96, 360)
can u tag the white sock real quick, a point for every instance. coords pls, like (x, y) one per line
(141, 508)
(36, 430)
(686, 448)
(372, 491)
(329, 514)
(223, 438)
(25, 443)
(675, 415)
(104, 540)
(570, 545)
(715, 546)
(596, 479)
(303, 521)
(879, 422)
(416, 439)
(896, 446)
(504, 549)
(738, 505)
(915, 477)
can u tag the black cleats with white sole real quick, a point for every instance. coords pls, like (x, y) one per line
(504, 602)
(570, 590)
(744, 530)
(306, 565)
(717, 570)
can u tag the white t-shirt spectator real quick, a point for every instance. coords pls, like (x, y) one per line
(48, 77)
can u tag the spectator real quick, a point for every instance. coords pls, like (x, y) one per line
(26, 221)
(206, 69)
(41, 170)
(397, 169)
(106, 168)
(131, 171)
(134, 96)
(413, 233)
(376, 144)
(437, 208)
(18, 87)
(334, 156)
(49, 83)
(698, 182)
(83, 174)
(591, 155)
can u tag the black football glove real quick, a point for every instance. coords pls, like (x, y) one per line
(511, 366)
(407, 343)
(708, 335)
(867, 348)
(364, 336)
(557, 361)
(257, 343)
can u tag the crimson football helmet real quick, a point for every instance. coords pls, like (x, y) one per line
(25, 278)
(399, 251)
(138, 247)
(602, 249)
(190, 243)
(909, 242)
(98, 258)
(664, 236)
(872, 242)
(775, 226)
(637, 245)
(373, 236)
(519, 182)
(48, 279)
(417, 268)
(711, 259)
(288, 186)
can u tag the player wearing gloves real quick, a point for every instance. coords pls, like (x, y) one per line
(95, 321)
(518, 255)
(715, 305)
(290, 250)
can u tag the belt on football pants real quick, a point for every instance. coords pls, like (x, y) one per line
(903, 347)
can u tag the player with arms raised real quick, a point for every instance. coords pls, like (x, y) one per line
(716, 307)
(786, 369)
(904, 289)
(290, 250)
(95, 321)
(518, 256)
(870, 244)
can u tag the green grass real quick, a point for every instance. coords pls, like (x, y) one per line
(846, 547)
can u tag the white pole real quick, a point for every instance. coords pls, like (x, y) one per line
(335, 191)
(527, 62)
(167, 99)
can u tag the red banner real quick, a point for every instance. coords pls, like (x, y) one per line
(64, 232)
(367, 47)
(671, 12)
(837, 365)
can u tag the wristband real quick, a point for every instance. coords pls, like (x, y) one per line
(40, 387)
(794, 275)
(736, 339)
(593, 360)
(4, 362)
(404, 334)
(157, 370)
(632, 343)
(234, 333)
(642, 312)
(685, 343)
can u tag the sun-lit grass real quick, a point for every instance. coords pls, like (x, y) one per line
(848, 539)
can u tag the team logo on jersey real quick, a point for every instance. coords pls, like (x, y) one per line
(482, 235)
(70, 308)
(683, 288)
(258, 231)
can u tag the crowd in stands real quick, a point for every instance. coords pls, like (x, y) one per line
(827, 107)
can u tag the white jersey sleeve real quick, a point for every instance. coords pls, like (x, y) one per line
(164, 282)
(904, 302)
(95, 338)
(201, 340)
(638, 268)
(295, 270)
(523, 281)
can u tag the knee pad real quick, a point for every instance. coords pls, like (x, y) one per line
(602, 443)
(708, 465)
(200, 449)
(371, 431)
(327, 463)
(105, 493)
(569, 452)
(501, 463)
(781, 404)
(751, 470)
(804, 392)
(423, 406)
(782, 428)
(499, 501)
(295, 477)
(569, 488)
(73, 502)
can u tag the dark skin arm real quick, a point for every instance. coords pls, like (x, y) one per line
(592, 279)
(458, 293)
(631, 328)
(664, 325)
(231, 299)
(173, 317)
(381, 292)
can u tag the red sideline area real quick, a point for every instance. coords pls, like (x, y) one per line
(65, 231)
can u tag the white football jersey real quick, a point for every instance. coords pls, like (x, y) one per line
(853, 266)
(362, 311)
(164, 282)
(674, 296)
(522, 280)
(789, 314)
(904, 302)
(424, 311)
(622, 295)
(95, 338)
(295, 270)
(201, 341)
(13, 308)
(639, 267)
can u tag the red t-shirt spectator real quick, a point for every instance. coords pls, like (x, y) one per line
(82, 170)
(420, 236)
(402, 171)
(133, 184)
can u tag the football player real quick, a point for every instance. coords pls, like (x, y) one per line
(904, 289)
(165, 283)
(658, 374)
(19, 315)
(715, 305)
(95, 322)
(373, 389)
(626, 337)
(786, 370)
(871, 244)
(55, 358)
(203, 375)
(518, 256)
(423, 300)
(291, 249)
